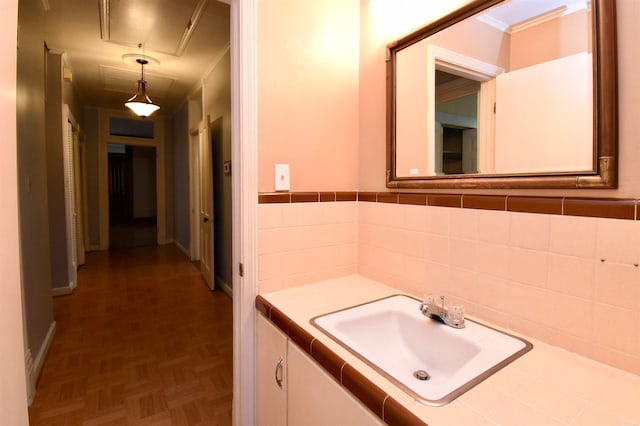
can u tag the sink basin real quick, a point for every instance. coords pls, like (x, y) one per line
(433, 362)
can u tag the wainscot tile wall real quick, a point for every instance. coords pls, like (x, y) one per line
(562, 270)
(306, 237)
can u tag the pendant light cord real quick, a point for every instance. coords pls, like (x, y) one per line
(144, 59)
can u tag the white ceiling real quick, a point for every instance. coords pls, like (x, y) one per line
(105, 73)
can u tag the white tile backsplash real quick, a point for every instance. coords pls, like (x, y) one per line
(493, 226)
(617, 284)
(464, 223)
(572, 275)
(438, 220)
(573, 236)
(528, 266)
(529, 231)
(538, 274)
(618, 241)
(569, 281)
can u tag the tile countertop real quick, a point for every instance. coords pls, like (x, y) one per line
(547, 386)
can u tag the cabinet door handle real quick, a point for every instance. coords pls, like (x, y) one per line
(279, 371)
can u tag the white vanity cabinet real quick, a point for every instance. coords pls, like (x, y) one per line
(316, 399)
(271, 371)
(309, 396)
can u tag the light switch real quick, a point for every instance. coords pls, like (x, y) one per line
(281, 177)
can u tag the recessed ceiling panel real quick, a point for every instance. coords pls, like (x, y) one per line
(160, 25)
(126, 81)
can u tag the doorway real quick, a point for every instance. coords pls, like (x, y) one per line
(133, 220)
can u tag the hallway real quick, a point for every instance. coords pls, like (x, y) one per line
(141, 341)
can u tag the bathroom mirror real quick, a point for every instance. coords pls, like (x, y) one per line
(506, 94)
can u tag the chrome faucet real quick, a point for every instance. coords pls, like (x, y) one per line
(452, 315)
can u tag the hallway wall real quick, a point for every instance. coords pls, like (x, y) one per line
(180, 136)
(32, 176)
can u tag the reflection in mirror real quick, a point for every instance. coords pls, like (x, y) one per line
(456, 124)
(503, 91)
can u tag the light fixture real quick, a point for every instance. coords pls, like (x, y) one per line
(140, 103)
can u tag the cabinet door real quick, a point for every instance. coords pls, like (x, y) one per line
(271, 374)
(316, 399)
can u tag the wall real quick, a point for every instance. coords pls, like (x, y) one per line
(180, 137)
(32, 176)
(477, 40)
(170, 200)
(217, 106)
(308, 117)
(550, 40)
(564, 117)
(307, 60)
(13, 388)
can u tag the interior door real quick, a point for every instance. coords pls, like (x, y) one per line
(194, 195)
(206, 204)
(70, 203)
(78, 192)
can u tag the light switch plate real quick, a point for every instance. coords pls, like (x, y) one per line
(281, 177)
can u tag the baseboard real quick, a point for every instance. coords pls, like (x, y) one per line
(92, 248)
(182, 249)
(220, 283)
(34, 367)
(31, 377)
(62, 291)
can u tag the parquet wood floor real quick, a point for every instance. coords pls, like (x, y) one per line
(142, 341)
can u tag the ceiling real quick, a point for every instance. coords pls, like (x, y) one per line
(182, 39)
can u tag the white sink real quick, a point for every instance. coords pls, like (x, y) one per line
(393, 336)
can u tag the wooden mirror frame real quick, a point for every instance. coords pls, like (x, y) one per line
(605, 112)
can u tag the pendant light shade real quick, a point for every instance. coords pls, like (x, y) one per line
(140, 103)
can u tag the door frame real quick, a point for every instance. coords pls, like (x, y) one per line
(244, 155)
(157, 142)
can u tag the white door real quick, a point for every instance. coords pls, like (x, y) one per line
(206, 204)
(194, 195)
(70, 198)
(78, 196)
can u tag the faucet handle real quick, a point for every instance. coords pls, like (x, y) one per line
(455, 314)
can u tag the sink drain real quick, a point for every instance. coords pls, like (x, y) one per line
(421, 375)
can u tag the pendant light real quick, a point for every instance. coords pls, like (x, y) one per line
(140, 103)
